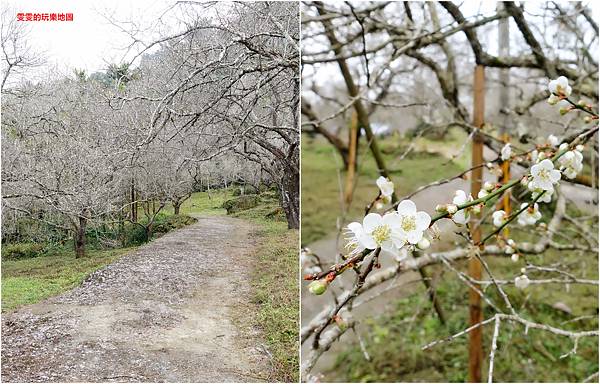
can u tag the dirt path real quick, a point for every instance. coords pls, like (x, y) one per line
(162, 313)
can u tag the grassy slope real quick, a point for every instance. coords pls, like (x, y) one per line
(29, 281)
(393, 340)
(275, 289)
(321, 178)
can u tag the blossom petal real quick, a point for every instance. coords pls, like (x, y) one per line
(389, 246)
(413, 237)
(422, 220)
(356, 228)
(407, 207)
(367, 241)
(554, 176)
(392, 219)
(372, 221)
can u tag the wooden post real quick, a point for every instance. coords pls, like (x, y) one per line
(351, 172)
(504, 101)
(475, 310)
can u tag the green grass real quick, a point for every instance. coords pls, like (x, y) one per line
(55, 269)
(204, 203)
(29, 281)
(275, 287)
(394, 340)
(322, 174)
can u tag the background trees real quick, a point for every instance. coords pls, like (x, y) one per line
(389, 86)
(210, 105)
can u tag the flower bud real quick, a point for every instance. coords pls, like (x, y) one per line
(580, 148)
(423, 243)
(515, 257)
(587, 119)
(489, 165)
(318, 287)
(378, 205)
(482, 193)
(440, 208)
(510, 242)
(488, 186)
(563, 146)
(522, 282)
(452, 209)
(508, 250)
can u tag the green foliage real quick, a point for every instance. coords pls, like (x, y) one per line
(21, 251)
(170, 223)
(248, 190)
(241, 203)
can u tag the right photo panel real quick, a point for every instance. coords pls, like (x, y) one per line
(449, 192)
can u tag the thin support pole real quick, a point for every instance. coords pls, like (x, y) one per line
(475, 307)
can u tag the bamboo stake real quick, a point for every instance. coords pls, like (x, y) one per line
(475, 309)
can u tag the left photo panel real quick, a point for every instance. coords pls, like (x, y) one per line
(150, 191)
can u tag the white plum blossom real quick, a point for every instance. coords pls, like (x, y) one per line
(553, 140)
(386, 186)
(560, 87)
(571, 163)
(505, 152)
(462, 216)
(498, 218)
(377, 231)
(546, 197)
(544, 175)
(534, 155)
(482, 193)
(529, 216)
(522, 281)
(514, 257)
(412, 223)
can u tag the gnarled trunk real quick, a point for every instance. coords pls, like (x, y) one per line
(290, 199)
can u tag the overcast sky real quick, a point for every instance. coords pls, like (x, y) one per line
(89, 41)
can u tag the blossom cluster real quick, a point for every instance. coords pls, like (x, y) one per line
(392, 231)
(407, 227)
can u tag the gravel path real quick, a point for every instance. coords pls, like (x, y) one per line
(164, 313)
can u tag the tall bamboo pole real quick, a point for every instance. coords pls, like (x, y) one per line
(350, 174)
(504, 101)
(475, 310)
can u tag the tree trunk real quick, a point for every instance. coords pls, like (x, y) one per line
(290, 199)
(80, 238)
(134, 215)
(176, 207)
(148, 232)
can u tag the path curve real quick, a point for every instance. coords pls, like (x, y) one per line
(163, 313)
